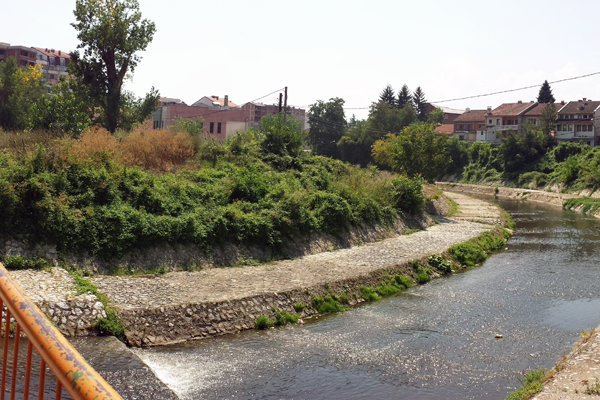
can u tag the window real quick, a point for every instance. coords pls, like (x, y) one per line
(578, 128)
(456, 127)
(2, 51)
(52, 60)
(498, 122)
(62, 62)
(219, 127)
(490, 122)
(212, 127)
(24, 53)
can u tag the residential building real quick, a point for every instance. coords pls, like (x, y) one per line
(54, 63)
(468, 123)
(507, 117)
(24, 55)
(578, 121)
(218, 123)
(534, 115)
(450, 114)
(215, 102)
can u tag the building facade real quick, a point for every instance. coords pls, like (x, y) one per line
(578, 121)
(54, 63)
(24, 55)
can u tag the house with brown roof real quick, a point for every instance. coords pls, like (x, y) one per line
(579, 121)
(54, 63)
(507, 117)
(534, 115)
(468, 123)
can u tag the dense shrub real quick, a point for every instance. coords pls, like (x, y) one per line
(102, 196)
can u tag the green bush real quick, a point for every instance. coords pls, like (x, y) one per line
(19, 262)
(387, 290)
(369, 294)
(283, 317)
(440, 263)
(408, 194)
(326, 305)
(404, 280)
(532, 384)
(422, 277)
(467, 254)
(299, 307)
(263, 322)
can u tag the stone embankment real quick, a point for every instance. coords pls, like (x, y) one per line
(53, 292)
(185, 305)
(181, 306)
(579, 373)
(541, 196)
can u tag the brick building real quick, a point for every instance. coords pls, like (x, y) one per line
(24, 55)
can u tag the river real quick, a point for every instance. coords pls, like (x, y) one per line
(430, 342)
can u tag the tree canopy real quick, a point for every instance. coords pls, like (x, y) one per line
(418, 150)
(419, 102)
(327, 125)
(545, 94)
(388, 96)
(404, 97)
(111, 33)
(19, 89)
(549, 118)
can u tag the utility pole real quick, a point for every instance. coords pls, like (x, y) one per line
(280, 96)
(285, 106)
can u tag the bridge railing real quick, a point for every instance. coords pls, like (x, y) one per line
(22, 318)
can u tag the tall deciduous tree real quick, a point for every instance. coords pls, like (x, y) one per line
(404, 97)
(327, 125)
(545, 95)
(19, 89)
(419, 101)
(388, 96)
(418, 150)
(111, 32)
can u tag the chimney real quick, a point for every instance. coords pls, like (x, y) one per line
(580, 101)
(562, 102)
(215, 97)
(489, 109)
(519, 102)
(226, 101)
(59, 52)
(584, 99)
(46, 49)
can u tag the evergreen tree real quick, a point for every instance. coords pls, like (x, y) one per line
(404, 97)
(419, 102)
(545, 95)
(388, 96)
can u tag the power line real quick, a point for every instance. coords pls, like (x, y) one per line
(515, 90)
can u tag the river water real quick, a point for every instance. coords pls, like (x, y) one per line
(431, 342)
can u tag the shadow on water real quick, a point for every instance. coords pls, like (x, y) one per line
(433, 341)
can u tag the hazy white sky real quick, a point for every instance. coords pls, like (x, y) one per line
(348, 49)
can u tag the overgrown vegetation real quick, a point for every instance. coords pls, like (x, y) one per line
(106, 194)
(20, 262)
(532, 383)
(476, 250)
(112, 324)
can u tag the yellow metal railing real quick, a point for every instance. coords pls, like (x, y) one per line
(21, 317)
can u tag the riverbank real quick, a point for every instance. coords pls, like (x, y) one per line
(180, 306)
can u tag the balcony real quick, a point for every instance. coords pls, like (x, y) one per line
(510, 127)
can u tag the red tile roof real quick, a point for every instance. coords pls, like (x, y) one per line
(53, 53)
(471, 116)
(539, 109)
(509, 109)
(221, 101)
(446, 129)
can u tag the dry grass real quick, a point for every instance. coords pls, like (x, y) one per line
(21, 143)
(158, 150)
